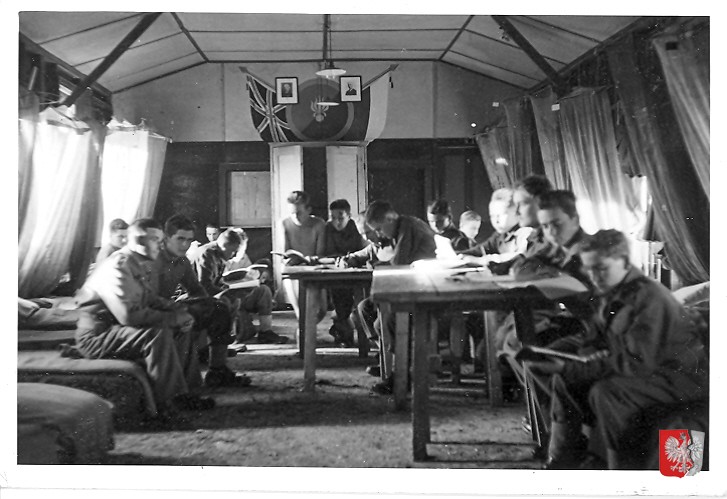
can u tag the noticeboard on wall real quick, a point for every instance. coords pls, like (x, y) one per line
(249, 202)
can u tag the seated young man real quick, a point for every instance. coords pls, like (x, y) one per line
(117, 239)
(210, 265)
(508, 240)
(557, 253)
(412, 240)
(654, 357)
(304, 233)
(469, 224)
(121, 316)
(439, 216)
(342, 237)
(173, 270)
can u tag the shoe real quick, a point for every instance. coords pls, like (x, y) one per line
(269, 337)
(386, 387)
(236, 348)
(374, 371)
(190, 402)
(223, 376)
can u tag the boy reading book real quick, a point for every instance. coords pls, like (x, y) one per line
(655, 358)
(210, 265)
(305, 236)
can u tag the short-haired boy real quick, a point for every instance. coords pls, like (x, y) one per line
(654, 358)
(342, 237)
(118, 230)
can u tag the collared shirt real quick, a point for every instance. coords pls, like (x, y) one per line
(123, 285)
(414, 240)
(342, 242)
(459, 241)
(210, 265)
(543, 255)
(171, 271)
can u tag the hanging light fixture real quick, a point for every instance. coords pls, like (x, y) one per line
(329, 68)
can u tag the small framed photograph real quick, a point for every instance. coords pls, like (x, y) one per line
(286, 90)
(350, 89)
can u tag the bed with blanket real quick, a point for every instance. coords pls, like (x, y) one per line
(46, 335)
(61, 425)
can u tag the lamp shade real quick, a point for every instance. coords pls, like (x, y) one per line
(330, 70)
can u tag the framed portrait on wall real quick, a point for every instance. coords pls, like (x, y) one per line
(350, 88)
(286, 90)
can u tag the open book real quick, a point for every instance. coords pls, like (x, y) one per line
(291, 253)
(554, 288)
(239, 274)
(445, 263)
(535, 353)
(251, 283)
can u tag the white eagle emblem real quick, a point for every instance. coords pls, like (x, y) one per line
(686, 455)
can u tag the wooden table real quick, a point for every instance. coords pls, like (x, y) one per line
(406, 291)
(311, 280)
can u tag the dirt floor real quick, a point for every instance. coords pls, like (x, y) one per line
(342, 424)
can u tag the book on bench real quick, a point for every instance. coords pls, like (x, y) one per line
(536, 353)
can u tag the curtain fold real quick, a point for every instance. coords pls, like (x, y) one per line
(64, 161)
(679, 217)
(494, 146)
(685, 63)
(606, 197)
(28, 112)
(550, 138)
(525, 156)
(133, 161)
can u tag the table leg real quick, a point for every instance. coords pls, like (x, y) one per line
(456, 345)
(420, 382)
(384, 354)
(494, 375)
(312, 294)
(302, 309)
(401, 360)
(363, 342)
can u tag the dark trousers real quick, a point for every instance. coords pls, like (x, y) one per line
(212, 315)
(168, 356)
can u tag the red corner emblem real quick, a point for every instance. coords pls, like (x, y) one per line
(680, 452)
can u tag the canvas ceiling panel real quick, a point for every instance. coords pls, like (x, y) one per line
(43, 26)
(150, 73)
(499, 54)
(285, 55)
(368, 40)
(486, 25)
(145, 56)
(252, 22)
(259, 41)
(395, 22)
(594, 27)
(491, 71)
(552, 43)
(97, 43)
(385, 55)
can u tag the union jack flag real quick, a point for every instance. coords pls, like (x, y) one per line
(267, 116)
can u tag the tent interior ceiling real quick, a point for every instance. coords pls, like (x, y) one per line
(176, 41)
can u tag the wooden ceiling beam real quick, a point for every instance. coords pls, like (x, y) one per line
(113, 56)
(551, 74)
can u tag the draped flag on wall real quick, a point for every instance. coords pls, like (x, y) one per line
(309, 121)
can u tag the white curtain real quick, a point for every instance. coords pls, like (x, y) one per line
(607, 198)
(685, 62)
(59, 167)
(132, 166)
